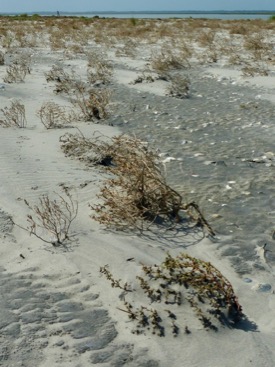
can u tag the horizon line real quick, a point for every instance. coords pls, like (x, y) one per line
(141, 11)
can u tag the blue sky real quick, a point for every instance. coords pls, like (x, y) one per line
(128, 5)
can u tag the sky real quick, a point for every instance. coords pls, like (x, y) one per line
(22, 6)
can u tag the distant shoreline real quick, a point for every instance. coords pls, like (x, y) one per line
(218, 12)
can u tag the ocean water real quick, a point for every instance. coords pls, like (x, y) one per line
(165, 15)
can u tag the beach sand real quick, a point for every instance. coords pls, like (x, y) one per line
(217, 146)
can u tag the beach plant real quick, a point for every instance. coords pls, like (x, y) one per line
(2, 58)
(53, 115)
(138, 195)
(16, 72)
(14, 115)
(167, 59)
(252, 69)
(51, 219)
(176, 283)
(128, 49)
(258, 47)
(92, 151)
(91, 103)
(19, 68)
(99, 69)
(179, 86)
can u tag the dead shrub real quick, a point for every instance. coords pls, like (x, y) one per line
(167, 59)
(129, 49)
(239, 29)
(179, 86)
(14, 115)
(206, 38)
(251, 70)
(52, 115)
(258, 46)
(93, 151)
(92, 104)
(99, 68)
(138, 195)
(17, 70)
(54, 216)
(2, 58)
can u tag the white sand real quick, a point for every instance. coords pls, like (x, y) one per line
(31, 164)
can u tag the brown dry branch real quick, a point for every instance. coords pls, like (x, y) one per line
(167, 59)
(18, 69)
(179, 86)
(138, 195)
(99, 68)
(92, 104)
(16, 73)
(93, 151)
(52, 115)
(2, 58)
(53, 216)
(14, 115)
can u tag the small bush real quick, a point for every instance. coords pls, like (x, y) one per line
(92, 151)
(2, 58)
(178, 281)
(14, 115)
(18, 69)
(138, 195)
(54, 216)
(52, 115)
(179, 86)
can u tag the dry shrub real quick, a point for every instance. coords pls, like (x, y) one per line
(66, 82)
(14, 115)
(92, 104)
(52, 115)
(138, 195)
(254, 69)
(7, 39)
(179, 86)
(239, 29)
(56, 74)
(128, 49)
(144, 77)
(99, 68)
(93, 151)
(54, 216)
(167, 59)
(257, 45)
(57, 40)
(18, 69)
(2, 58)
(206, 38)
(177, 281)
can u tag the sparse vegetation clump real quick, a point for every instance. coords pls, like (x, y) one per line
(91, 103)
(18, 69)
(179, 86)
(14, 115)
(93, 151)
(52, 115)
(177, 282)
(137, 196)
(51, 219)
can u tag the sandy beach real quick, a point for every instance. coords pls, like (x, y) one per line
(201, 94)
